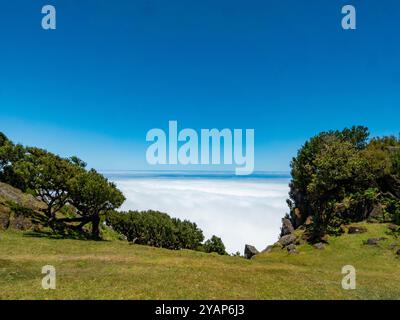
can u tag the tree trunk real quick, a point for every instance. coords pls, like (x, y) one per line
(95, 227)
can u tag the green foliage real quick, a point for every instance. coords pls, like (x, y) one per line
(3, 139)
(215, 244)
(20, 210)
(357, 136)
(47, 176)
(76, 197)
(338, 176)
(396, 163)
(71, 193)
(392, 208)
(156, 229)
(9, 155)
(78, 162)
(93, 195)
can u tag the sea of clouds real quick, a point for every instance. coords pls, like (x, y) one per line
(240, 211)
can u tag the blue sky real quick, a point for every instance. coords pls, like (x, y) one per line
(115, 69)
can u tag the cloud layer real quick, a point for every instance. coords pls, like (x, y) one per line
(239, 211)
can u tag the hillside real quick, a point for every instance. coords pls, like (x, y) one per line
(13, 204)
(117, 270)
(339, 178)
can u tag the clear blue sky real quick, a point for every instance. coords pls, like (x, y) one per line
(115, 69)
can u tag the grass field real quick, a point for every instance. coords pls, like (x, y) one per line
(117, 270)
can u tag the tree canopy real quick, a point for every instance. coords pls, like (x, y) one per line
(156, 229)
(341, 176)
(70, 192)
(215, 244)
(76, 197)
(93, 195)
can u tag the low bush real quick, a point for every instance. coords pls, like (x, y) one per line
(156, 229)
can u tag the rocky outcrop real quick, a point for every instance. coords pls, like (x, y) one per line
(14, 206)
(393, 245)
(374, 241)
(319, 246)
(5, 214)
(287, 240)
(287, 227)
(356, 229)
(376, 212)
(250, 251)
(391, 184)
(292, 249)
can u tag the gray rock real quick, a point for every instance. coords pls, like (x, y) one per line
(319, 246)
(374, 241)
(393, 245)
(287, 240)
(287, 227)
(355, 229)
(21, 223)
(377, 211)
(5, 214)
(291, 247)
(249, 251)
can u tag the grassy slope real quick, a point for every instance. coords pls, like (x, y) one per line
(117, 270)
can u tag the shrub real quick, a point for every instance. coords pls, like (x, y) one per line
(338, 177)
(156, 229)
(71, 193)
(214, 244)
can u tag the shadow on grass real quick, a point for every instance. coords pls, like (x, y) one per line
(61, 236)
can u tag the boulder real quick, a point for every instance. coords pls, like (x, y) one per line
(21, 223)
(249, 251)
(376, 212)
(374, 241)
(292, 249)
(319, 246)
(17, 208)
(287, 240)
(393, 227)
(287, 227)
(5, 214)
(356, 229)
(392, 184)
(10, 194)
(393, 245)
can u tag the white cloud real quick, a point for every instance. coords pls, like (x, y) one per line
(240, 211)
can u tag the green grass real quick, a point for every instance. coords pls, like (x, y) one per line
(117, 270)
